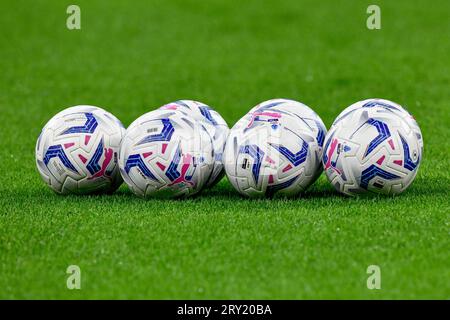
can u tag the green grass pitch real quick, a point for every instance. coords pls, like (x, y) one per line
(132, 57)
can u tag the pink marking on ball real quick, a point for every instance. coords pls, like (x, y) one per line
(270, 160)
(163, 148)
(330, 152)
(391, 143)
(170, 106)
(68, 145)
(86, 139)
(82, 158)
(161, 166)
(275, 115)
(287, 168)
(398, 162)
(187, 160)
(147, 154)
(108, 157)
(271, 179)
(380, 161)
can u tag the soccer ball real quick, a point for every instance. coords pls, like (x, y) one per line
(275, 151)
(165, 153)
(372, 149)
(77, 151)
(214, 124)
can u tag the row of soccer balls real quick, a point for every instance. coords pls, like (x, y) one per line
(280, 146)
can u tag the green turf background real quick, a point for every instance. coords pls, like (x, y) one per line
(133, 56)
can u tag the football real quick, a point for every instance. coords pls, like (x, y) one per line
(273, 150)
(77, 151)
(214, 124)
(373, 148)
(165, 153)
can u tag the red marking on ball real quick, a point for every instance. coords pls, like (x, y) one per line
(269, 159)
(68, 145)
(82, 158)
(161, 166)
(380, 161)
(391, 143)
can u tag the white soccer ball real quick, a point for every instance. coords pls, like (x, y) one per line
(275, 151)
(372, 149)
(214, 124)
(77, 151)
(167, 154)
